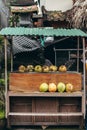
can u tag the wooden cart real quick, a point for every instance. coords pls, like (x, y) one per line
(25, 105)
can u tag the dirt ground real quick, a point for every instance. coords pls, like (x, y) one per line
(47, 128)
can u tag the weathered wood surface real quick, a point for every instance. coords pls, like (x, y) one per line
(30, 82)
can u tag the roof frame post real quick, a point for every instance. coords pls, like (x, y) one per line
(11, 54)
(5, 49)
(78, 54)
(84, 78)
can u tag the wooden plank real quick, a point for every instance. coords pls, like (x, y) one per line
(46, 105)
(44, 94)
(28, 124)
(46, 114)
(30, 82)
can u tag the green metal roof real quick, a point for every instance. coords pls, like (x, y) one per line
(14, 31)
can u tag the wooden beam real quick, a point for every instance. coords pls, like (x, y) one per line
(46, 114)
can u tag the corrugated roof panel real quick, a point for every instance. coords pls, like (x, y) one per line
(42, 31)
(62, 32)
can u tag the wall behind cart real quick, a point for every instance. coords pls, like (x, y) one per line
(64, 5)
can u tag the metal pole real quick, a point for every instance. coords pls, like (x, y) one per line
(5, 46)
(55, 56)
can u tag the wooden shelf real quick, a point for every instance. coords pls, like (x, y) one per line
(45, 94)
(45, 108)
(45, 114)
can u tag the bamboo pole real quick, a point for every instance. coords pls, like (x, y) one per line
(84, 77)
(5, 51)
(11, 55)
(78, 54)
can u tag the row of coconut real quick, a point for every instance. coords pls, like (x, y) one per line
(44, 68)
(52, 87)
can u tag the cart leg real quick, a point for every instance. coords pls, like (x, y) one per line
(8, 123)
(82, 123)
(86, 120)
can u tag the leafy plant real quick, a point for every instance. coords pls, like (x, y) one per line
(2, 114)
(2, 82)
(2, 98)
(13, 20)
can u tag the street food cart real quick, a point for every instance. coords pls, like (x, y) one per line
(26, 105)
